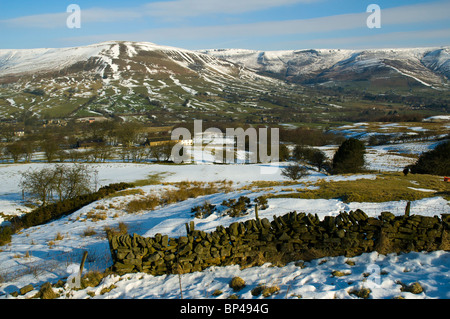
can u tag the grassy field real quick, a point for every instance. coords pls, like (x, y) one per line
(153, 179)
(386, 187)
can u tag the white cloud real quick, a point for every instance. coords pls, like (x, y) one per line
(418, 13)
(403, 15)
(164, 10)
(260, 29)
(192, 8)
(50, 20)
(110, 15)
(395, 16)
(385, 40)
(58, 20)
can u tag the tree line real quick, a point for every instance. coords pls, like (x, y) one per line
(52, 211)
(83, 142)
(349, 158)
(434, 162)
(128, 141)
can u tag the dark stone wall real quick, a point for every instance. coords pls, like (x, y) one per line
(294, 236)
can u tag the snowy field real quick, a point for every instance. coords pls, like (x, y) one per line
(53, 251)
(311, 280)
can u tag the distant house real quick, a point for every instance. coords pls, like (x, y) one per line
(88, 143)
(19, 132)
(92, 119)
(185, 142)
(55, 122)
(164, 142)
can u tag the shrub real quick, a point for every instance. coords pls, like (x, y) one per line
(294, 171)
(237, 283)
(303, 152)
(188, 190)
(258, 290)
(96, 216)
(434, 162)
(414, 288)
(265, 291)
(262, 203)
(92, 279)
(349, 158)
(147, 203)
(5, 235)
(203, 211)
(237, 207)
(269, 291)
(310, 155)
(284, 153)
(318, 159)
(121, 229)
(361, 293)
(89, 232)
(46, 292)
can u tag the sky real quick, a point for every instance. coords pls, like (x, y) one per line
(209, 24)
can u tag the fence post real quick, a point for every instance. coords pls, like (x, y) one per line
(408, 209)
(82, 262)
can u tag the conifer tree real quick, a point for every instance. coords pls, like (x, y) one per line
(349, 158)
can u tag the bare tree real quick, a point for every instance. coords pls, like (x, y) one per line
(50, 147)
(59, 182)
(294, 171)
(100, 152)
(2, 153)
(127, 134)
(74, 180)
(15, 150)
(318, 159)
(162, 152)
(28, 149)
(38, 184)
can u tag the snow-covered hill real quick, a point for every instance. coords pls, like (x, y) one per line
(428, 66)
(29, 61)
(165, 83)
(14, 62)
(121, 77)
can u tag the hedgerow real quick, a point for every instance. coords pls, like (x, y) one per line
(54, 211)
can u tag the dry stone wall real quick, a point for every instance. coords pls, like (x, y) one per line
(294, 236)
